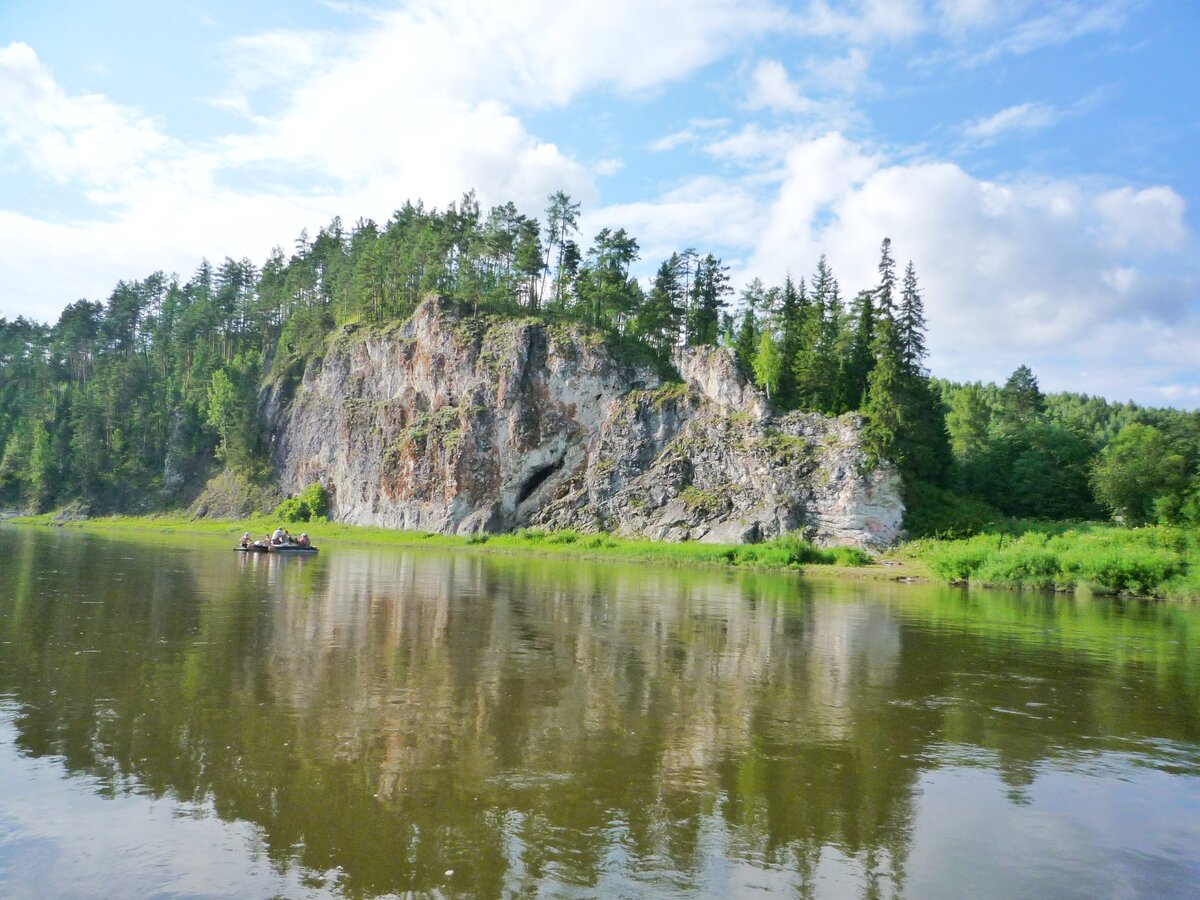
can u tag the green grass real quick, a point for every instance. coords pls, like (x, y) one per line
(787, 552)
(1157, 561)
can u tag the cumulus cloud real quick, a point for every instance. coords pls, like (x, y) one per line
(1055, 273)
(771, 88)
(85, 138)
(420, 101)
(428, 99)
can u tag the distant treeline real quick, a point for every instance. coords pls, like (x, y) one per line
(119, 403)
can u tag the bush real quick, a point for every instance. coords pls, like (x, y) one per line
(311, 503)
(958, 561)
(850, 556)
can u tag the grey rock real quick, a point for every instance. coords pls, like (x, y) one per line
(462, 424)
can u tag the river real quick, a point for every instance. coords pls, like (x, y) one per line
(177, 719)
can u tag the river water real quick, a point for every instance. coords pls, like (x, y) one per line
(177, 719)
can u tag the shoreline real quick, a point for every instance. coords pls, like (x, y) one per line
(784, 555)
(1090, 560)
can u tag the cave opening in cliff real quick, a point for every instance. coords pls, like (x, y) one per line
(536, 479)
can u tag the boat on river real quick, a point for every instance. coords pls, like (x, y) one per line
(291, 549)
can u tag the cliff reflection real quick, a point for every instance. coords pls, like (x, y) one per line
(525, 722)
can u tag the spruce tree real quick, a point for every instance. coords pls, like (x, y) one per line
(910, 323)
(812, 391)
(884, 407)
(885, 293)
(710, 288)
(860, 358)
(745, 343)
(792, 312)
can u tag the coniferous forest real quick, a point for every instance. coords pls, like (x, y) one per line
(118, 401)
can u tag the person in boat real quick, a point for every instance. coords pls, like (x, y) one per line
(246, 539)
(277, 536)
(302, 541)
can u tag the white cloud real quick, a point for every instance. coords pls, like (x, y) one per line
(772, 89)
(1058, 25)
(846, 74)
(865, 21)
(1026, 117)
(85, 138)
(1146, 220)
(960, 16)
(1052, 273)
(418, 102)
(673, 140)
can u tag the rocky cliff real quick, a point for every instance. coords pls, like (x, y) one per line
(460, 423)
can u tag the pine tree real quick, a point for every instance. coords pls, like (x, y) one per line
(1021, 400)
(812, 391)
(661, 316)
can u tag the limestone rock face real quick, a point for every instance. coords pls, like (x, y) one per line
(457, 423)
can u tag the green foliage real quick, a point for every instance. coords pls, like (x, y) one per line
(121, 402)
(1156, 561)
(931, 511)
(310, 504)
(768, 365)
(1142, 476)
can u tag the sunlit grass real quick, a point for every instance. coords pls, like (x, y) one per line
(1152, 561)
(787, 552)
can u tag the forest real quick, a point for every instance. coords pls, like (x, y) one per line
(128, 404)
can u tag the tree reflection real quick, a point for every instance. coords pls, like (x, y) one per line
(530, 723)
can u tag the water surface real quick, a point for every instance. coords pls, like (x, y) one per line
(180, 720)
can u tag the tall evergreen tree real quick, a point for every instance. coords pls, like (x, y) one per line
(792, 313)
(885, 408)
(860, 359)
(710, 290)
(910, 325)
(745, 342)
(1021, 400)
(885, 293)
(661, 316)
(562, 220)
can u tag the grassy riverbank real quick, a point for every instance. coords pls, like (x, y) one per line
(788, 552)
(1155, 561)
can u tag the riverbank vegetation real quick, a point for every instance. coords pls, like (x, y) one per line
(1153, 561)
(132, 404)
(787, 552)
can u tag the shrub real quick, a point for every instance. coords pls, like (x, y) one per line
(290, 510)
(958, 561)
(311, 503)
(850, 556)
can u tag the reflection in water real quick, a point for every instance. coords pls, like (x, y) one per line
(379, 718)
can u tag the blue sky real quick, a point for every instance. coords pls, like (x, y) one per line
(1037, 162)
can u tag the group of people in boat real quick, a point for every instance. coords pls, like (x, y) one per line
(280, 537)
